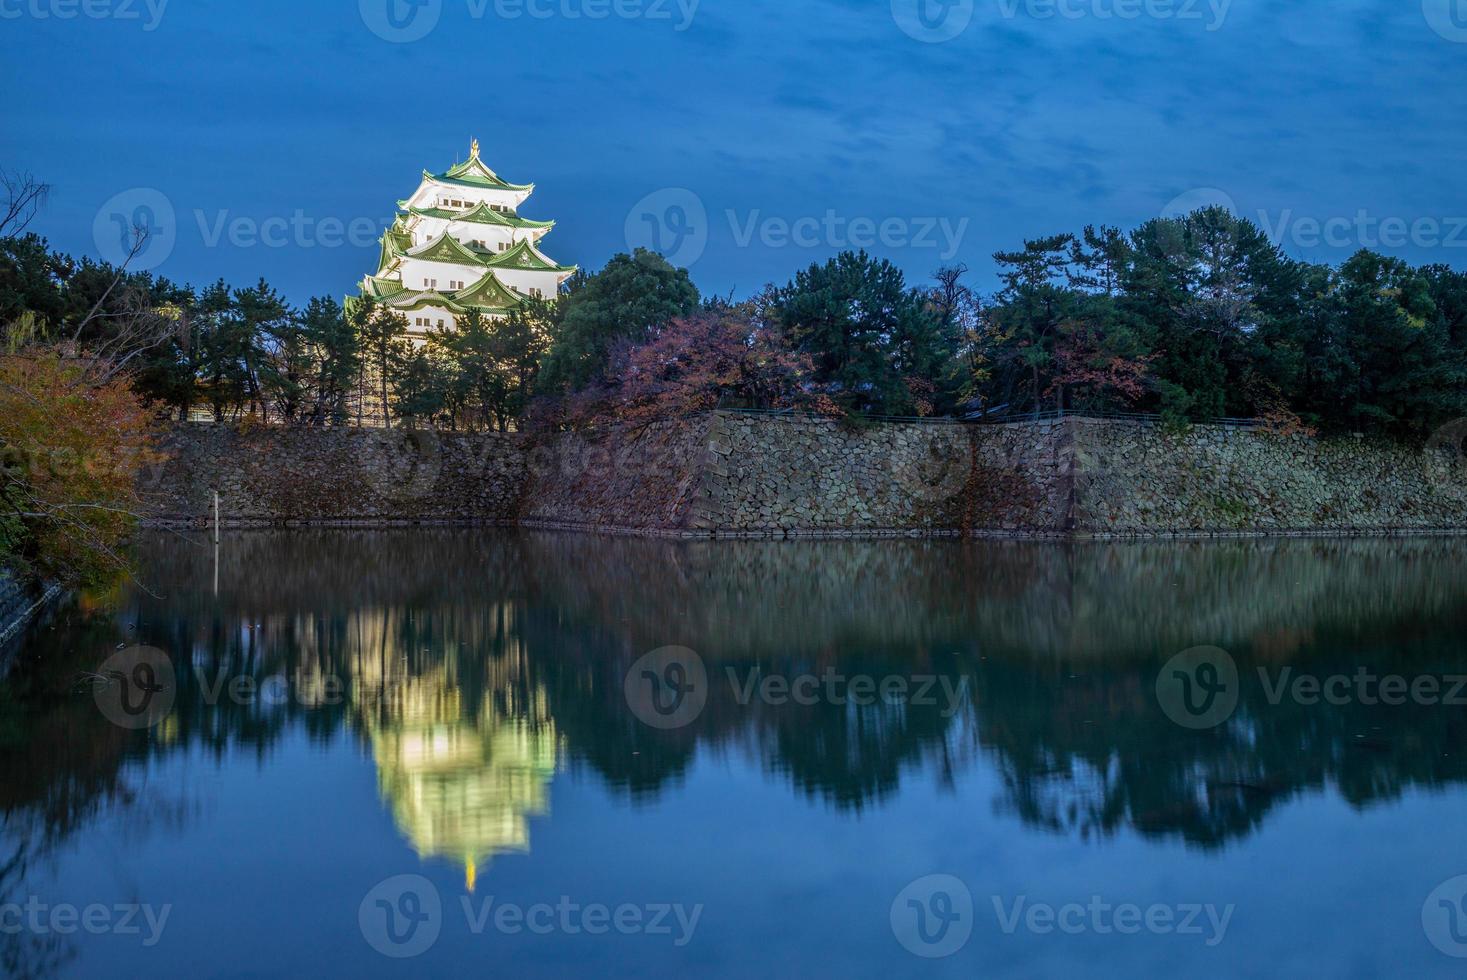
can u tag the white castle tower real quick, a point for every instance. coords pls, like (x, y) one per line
(459, 244)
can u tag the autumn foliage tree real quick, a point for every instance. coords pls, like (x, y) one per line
(74, 444)
(716, 358)
(1094, 373)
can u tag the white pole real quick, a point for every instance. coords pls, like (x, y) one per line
(216, 543)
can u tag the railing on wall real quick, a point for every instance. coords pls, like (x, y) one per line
(1049, 415)
(205, 416)
(1052, 416)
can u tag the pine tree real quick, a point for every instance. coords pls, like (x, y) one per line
(385, 347)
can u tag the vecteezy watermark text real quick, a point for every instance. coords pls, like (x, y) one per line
(147, 12)
(1361, 229)
(141, 227)
(934, 916)
(297, 230)
(1122, 918)
(675, 222)
(670, 686)
(833, 687)
(1201, 687)
(1211, 13)
(403, 917)
(836, 231)
(1365, 687)
(123, 919)
(935, 21)
(405, 21)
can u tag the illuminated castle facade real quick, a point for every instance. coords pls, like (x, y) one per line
(459, 244)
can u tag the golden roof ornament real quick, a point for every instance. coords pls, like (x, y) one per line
(474, 149)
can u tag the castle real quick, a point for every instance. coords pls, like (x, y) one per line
(459, 244)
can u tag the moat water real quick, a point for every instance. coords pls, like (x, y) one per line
(477, 753)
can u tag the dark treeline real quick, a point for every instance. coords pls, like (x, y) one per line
(1194, 318)
(237, 353)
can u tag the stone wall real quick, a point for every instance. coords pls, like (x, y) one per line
(21, 598)
(271, 476)
(782, 474)
(731, 474)
(1135, 478)
(16, 599)
(1072, 477)
(633, 478)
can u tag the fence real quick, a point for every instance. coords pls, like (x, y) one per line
(204, 416)
(1049, 415)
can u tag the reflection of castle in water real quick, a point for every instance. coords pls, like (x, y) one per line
(459, 649)
(462, 766)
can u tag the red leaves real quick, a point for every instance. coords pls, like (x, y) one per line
(74, 447)
(695, 364)
(1092, 372)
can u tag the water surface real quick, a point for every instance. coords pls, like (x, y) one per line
(452, 704)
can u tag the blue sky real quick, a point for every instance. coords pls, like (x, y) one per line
(748, 137)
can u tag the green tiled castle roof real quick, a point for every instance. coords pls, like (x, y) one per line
(481, 214)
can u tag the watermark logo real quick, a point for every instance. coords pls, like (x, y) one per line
(1198, 688)
(932, 465)
(672, 222)
(933, 916)
(402, 916)
(932, 21)
(138, 227)
(1444, 917)
(1196, 199)
(401, 464)
(1445, 458)
(1447, 17)
(401, 21)
(667, 688)
(135, 688)
(1171, 235)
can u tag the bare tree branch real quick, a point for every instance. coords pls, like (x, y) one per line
(24, 197)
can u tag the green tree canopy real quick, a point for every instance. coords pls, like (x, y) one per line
(876, 345)
(626, 301)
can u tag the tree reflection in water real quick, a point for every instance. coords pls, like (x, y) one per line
(475, 664)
